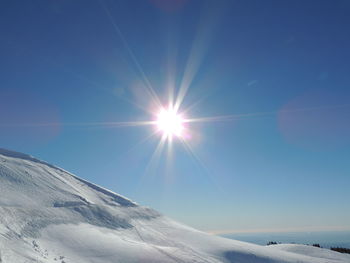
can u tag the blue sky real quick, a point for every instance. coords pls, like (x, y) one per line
(279, 69)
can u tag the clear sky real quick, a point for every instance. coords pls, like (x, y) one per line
(73, 72)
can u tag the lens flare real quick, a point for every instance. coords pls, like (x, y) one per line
(170, 123)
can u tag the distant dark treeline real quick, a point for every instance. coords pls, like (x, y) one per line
(271, 243)
(337, 249)
(341, 249)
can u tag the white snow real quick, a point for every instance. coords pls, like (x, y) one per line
(49, 215)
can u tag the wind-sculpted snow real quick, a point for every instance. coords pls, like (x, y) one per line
(30, 175)
(49, 215)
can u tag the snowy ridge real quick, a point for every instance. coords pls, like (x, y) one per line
(28, 157)
(23, 156)
(49, 215)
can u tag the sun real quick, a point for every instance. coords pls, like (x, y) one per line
(170, 123)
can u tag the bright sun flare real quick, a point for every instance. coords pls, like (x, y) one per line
(170, 123)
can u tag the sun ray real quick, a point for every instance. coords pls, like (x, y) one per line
(156, 155)
(169, 157)
(198, 160)
(200, 45)
(147, 83)
(152, 163)
(140, 142)
(100, 87)
(82, 124)
(194, 105)
(224, 118)
(170, 79)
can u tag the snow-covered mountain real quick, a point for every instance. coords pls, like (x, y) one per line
(50, 215)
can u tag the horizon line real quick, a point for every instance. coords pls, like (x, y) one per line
(279, 230)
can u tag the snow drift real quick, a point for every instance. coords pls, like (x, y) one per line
(49, 215)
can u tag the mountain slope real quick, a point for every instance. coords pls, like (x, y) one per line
(50, 215)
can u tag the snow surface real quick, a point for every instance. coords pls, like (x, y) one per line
(49, 215)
